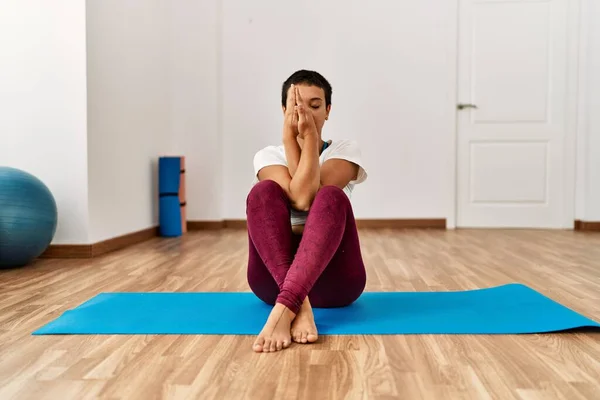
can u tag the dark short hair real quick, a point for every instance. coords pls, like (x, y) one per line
(306, 77)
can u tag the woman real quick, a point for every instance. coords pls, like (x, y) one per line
(304, 246)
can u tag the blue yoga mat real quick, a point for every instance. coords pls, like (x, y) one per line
(508, 309)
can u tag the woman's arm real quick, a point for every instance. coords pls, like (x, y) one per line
(305, 182)
(338, 172)
(303, 186)
(290, 131)
(301, 179)
(292, 153)
(306, 178)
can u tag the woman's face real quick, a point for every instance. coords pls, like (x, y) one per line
(313, 98)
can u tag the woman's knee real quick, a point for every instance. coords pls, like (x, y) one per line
(333, 195)
(265, 192)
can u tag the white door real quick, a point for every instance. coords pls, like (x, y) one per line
(512, 153)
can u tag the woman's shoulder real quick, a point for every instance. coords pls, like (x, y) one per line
(350, 146)
(270, 155)
(270, 150)
(345, 143)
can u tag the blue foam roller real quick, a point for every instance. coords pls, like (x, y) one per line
(169, 216)
(169, 176)
(169, 172)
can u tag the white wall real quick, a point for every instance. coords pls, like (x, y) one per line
(195, 103)
(391, 66)
(43, 103)
(589, 133)
(129, 105)
(201, 78)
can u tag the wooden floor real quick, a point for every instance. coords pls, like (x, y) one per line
(563, 265)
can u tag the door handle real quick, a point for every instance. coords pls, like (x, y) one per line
(463, 106)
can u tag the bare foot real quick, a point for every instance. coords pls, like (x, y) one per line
(304, 329)
(275, 335)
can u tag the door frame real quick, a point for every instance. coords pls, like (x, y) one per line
(575, 81)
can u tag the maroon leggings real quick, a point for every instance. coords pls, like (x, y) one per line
(325, 263)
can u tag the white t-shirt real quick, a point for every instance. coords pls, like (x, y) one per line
(338, 149)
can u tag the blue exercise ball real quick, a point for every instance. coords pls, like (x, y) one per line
(28, 217)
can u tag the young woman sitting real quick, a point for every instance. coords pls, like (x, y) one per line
(304, 246)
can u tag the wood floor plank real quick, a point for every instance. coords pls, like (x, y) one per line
(564, 265)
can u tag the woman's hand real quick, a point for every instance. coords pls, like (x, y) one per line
(306, 122)
(290, 121)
